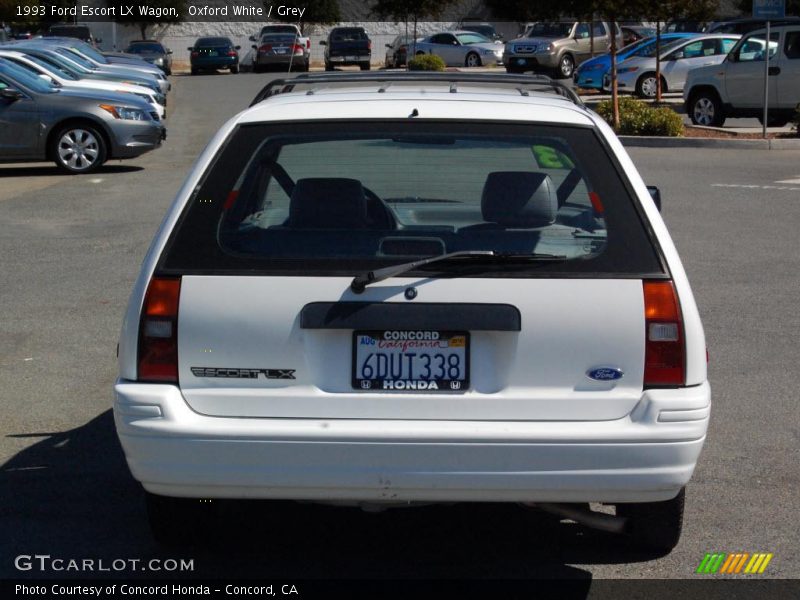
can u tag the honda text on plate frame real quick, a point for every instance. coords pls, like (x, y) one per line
(472, 310)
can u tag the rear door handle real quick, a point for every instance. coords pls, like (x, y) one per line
(774, 71)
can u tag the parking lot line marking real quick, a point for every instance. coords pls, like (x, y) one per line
(790, 181)
(757, 187)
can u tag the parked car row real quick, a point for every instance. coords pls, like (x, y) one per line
(63, 100)
(720, 75)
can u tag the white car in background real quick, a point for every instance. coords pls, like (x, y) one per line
(736, 88)
(638, 74)
(63, 78)
(512, 323)
(460, 49)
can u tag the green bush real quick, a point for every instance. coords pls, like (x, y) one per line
(640, 118)
(426, 62)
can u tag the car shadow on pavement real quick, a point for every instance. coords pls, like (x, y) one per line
(44, 171)
(70, 495)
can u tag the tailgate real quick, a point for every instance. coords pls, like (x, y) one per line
(243, 350)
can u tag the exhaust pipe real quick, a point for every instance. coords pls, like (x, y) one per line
(584, 516)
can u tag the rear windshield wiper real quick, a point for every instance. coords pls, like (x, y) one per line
(360, 282)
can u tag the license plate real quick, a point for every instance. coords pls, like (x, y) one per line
(213, 54)
(520, 61)
(280, 50)
(350, 58)
(411, 361)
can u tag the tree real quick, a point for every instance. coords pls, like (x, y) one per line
(141, 21)
(405, 10)
(664, 10)
(320, 12)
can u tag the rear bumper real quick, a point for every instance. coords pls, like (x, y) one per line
(220, 62)
(646, 456)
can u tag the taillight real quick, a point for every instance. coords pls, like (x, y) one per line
(158, 331)
(308, 43)
(195, 54)
(232, 53)
(369, 44)
(297, 49)
(265, 48)
(665, 354)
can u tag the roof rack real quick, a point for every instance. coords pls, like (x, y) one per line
(522, 83)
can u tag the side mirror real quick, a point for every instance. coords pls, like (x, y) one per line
(388, 45)
(254, 47)
(655, 194)
(98, 41)
(190, 49)
(237, 47)
(252, 38)
(10, 94)
(169, 51)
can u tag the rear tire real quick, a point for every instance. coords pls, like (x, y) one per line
(364, 66)
(178, 521)
(655, 525)
(235, 70)
(78, 148)
(328, 66)
(257, 68)
(194, 71)
(514, 70)
(646, 86)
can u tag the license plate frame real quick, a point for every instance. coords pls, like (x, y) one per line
(458, 343)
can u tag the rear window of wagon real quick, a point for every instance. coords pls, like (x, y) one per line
(334, 198)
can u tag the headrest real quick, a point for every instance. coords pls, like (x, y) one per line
(328, 203)
(519, 199)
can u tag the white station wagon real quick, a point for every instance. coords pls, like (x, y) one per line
(391, 289)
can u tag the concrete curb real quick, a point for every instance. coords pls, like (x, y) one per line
(682, 142)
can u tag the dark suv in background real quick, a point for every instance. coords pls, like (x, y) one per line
(347, 46)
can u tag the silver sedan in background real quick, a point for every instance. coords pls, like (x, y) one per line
(280, 50)
(462, 49)
(638, 73)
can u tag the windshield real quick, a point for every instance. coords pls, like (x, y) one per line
(550, 30)
(485, 30)
(212, 42)
(61, 62)
(142, 48)
(279, 29)
(88, 51)
(60, 71)
(383, 193)
(272, 38)
(25, 78)
(348, 35)
(77, 58)
(472, 38)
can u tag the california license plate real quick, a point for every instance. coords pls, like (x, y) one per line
(213, 53)
(411, 361)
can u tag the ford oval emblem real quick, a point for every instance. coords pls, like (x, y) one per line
(605, 374)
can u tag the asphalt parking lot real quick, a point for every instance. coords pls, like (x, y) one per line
(71, 248)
